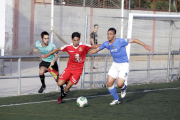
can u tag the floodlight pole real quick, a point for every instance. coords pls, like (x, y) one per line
(169, 5)
(169, 52)
(122, 15)
(85, 30)
(52, 19)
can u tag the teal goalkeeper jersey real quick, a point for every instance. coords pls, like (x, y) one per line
(46, 50)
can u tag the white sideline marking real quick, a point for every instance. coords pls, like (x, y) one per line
(87, 97)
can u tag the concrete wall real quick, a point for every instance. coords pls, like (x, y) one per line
(24, 24)
(67, 19)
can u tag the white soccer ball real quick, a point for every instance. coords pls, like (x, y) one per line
(82, 101)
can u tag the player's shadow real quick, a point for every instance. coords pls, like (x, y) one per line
(133, 96)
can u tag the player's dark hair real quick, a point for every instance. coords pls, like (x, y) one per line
(112, 29)
(95, 25)
(76, 34)
(44, 33)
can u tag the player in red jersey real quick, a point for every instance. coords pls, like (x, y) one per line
(77, 52)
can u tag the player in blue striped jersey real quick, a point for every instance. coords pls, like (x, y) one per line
(120, 66)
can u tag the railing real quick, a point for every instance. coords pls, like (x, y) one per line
(105, 70)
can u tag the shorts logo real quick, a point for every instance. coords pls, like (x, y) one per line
(61, 76)
(126, 74)
(80, 49)
(74, 80)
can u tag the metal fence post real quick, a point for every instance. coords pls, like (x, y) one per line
(91, 77)
(19, 74)
(11, 64)
(84, 3)
(172, 67)
(148, 69)
(1, 64)
(169, 51)
(83, 75)
(57, 88)
(105, 68)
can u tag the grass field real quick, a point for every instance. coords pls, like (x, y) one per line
(142, 102)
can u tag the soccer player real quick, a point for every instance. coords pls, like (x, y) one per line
(94, 37)
(120, 66)
(77, 52)
(45, 47)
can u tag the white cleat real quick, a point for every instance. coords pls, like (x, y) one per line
(123, 92)
(115, 102)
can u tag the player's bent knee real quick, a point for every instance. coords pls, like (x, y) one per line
(120, 85)
(41, 73)
(109, 84)
(61, 82)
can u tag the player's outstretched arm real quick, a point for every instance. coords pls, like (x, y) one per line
(52, 52)
(147, 47)
(35, 50)
(56, 57)
(95, 46)
(93, 51)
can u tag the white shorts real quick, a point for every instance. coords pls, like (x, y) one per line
(119, 70)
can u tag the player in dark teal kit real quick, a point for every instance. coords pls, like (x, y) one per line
(45, 47)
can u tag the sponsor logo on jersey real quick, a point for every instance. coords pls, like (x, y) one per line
(80, 49)
(71, 51)
(114, 50)
(77, 58)
(112, 46)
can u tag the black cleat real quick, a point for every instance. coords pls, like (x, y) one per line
(41, 89)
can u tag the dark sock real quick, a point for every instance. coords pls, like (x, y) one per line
(61, 87)
(124, 87)
(42, 80)
(63, 94)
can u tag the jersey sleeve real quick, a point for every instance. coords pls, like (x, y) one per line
(102, 46)
(64, 48)
(88, 47)
(124, 42)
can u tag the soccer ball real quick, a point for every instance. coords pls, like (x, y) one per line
(82, 101)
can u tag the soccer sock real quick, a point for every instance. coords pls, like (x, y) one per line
(113, 92)
(61, 87)
(63, 94)
(124, 87)
(42, 80)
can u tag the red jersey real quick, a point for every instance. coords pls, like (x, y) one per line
(76, 54)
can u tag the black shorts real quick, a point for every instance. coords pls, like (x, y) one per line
(47, 64)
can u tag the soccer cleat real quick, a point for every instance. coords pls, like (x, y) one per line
(115, 102)
(41, 89)
(59, 100)
(123, 92)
